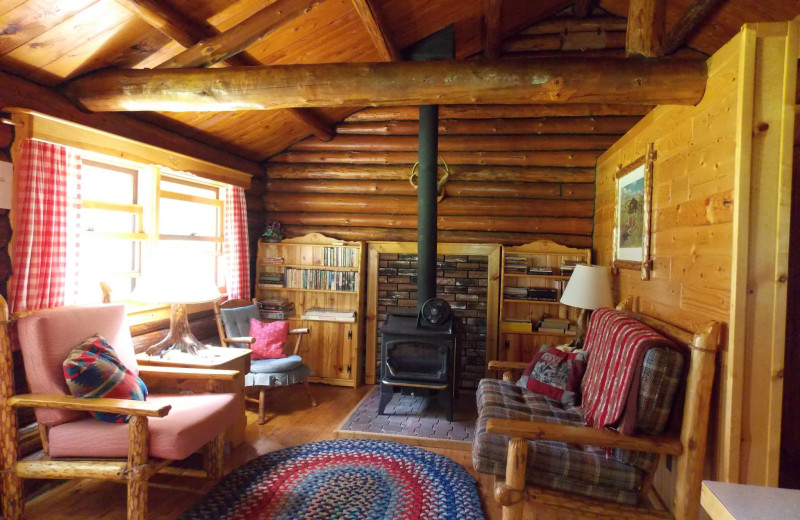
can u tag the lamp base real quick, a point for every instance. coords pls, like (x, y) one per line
(179, 337)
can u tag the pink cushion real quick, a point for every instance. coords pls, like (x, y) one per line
(193, 421)
(47, 337)
(270, 338)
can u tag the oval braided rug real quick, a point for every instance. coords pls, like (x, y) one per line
(344, 479)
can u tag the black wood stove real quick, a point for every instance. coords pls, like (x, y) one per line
(418, 351)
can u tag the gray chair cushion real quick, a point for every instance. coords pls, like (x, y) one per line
(265, 366)
(236, 322)
(290, 377)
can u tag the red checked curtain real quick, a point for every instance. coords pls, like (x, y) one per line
(237, 258)
(47, 227)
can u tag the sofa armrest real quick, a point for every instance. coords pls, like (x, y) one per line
(163, 372)
(102, 404)
(583, 435)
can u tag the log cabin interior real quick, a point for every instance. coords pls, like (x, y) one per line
(416, 155)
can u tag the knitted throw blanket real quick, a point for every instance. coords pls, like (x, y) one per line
(616, 344)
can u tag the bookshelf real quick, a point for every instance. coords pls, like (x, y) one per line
(532, 281)
(317, 282)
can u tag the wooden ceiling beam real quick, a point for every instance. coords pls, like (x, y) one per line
(376, 28)
(687, 24)
(220, 47)
(205, 46)
(493, 28)
(587, 80)
(646, 25)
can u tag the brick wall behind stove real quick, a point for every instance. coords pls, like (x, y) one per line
(462, 281)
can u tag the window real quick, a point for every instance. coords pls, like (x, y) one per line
(138, 219)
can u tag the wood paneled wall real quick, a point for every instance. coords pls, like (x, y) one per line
(514, 177)
(692, 229)
(720, 236)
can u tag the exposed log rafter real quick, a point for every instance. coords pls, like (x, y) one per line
(376, 28)
(492, 10)
(645, 27)
(687, 24)
(206, 46)
(601, 80)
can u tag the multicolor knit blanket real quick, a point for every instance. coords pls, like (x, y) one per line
(344, 479)
(616, 344)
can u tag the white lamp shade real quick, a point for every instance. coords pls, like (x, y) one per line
(588, 288)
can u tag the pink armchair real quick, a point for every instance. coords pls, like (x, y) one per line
(162, 429)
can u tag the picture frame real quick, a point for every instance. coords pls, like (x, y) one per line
(632, 214)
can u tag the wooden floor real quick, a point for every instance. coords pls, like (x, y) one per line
(292, 421)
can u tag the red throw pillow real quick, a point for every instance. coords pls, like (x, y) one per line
(270, 338)
(555, 374)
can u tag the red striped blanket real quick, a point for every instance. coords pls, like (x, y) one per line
(616, 344)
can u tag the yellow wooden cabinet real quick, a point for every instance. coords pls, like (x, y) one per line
(324, 279)
(533, 277)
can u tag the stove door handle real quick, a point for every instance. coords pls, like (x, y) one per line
(390, 367)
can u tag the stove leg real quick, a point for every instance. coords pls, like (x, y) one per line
(386, 396)
(446, 403)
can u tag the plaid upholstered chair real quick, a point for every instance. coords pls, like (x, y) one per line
(162, 429)
(233, 324)
(569, 458)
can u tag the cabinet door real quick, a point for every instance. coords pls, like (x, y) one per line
(329, 352)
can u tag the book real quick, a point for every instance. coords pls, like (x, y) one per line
(277, 315)
(322, 314)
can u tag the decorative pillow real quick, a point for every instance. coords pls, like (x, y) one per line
(555, 374)
(270, 338)
(93, 370)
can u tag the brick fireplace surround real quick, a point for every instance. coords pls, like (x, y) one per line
(462, 280)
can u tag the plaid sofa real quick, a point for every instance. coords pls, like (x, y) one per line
(587, 470)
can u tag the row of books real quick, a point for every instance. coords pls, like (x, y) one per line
(539, 294)
(271, 279)
(555, 325)
(276, 308)
(340, 257)
(516, 265)
(321, 279)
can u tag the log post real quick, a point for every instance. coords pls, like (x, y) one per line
(214, 457)
(516, 464)
(694, 430)
(137, 472)
(492, 27)
(545, 81)
(646, 23)
(12, 503)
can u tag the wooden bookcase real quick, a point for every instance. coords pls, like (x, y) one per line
(334, 350)
(517, 344)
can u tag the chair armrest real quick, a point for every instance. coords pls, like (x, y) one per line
(243, 339)
(299, 331)
(162, 372)
(102, 404)
(507, 365)
(583, 435)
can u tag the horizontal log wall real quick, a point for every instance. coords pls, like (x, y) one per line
(512, 179)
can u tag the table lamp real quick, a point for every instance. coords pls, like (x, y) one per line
(588, 289)
(178, 290)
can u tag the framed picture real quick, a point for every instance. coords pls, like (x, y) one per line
(634, 189)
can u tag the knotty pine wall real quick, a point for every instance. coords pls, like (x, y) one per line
(517, 175)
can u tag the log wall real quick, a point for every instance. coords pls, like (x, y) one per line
(514, 177)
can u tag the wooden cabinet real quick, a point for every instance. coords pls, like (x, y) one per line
(318, 272)
(533, 277)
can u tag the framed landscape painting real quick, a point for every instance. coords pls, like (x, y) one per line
(634, 187)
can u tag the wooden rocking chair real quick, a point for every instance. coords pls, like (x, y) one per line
(161, 429)
(689, 446)
(233, 324)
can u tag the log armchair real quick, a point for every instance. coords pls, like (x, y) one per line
(233, 324)
(551, 461)
(162, 429)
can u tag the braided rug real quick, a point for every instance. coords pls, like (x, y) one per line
(344, 479)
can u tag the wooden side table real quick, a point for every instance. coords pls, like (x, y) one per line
(220, 358)
(724, 501)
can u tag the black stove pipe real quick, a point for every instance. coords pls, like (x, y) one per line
(426, 202)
